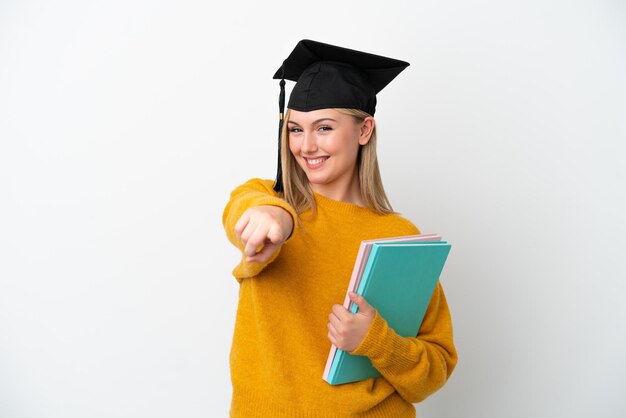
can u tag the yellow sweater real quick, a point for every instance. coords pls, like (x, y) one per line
(280, 343)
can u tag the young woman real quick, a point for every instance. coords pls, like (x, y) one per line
(299, 236)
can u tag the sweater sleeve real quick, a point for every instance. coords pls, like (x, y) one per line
(415, 366)
(254, 192)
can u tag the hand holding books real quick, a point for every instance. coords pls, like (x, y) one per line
(345, 329)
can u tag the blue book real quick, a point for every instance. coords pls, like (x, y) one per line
(398, 280)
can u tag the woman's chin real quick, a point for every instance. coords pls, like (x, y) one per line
(316, 181)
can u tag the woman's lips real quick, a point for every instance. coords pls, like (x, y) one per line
(315, 162)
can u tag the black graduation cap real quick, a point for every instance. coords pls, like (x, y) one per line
(329, 76)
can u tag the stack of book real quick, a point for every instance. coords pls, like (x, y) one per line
(397, 276)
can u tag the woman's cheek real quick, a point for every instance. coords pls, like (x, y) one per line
(294, 146)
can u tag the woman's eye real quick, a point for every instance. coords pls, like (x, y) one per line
(325, 128)
(295, 130)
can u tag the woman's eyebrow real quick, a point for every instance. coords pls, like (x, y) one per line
(324, 119)
(315, 122)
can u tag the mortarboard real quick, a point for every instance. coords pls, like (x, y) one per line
(329, 76)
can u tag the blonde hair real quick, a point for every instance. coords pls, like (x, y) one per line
(297, 189)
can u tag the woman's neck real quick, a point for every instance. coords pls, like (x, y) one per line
(349, 193)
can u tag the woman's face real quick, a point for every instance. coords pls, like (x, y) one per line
(325, 143)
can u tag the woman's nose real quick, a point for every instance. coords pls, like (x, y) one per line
(309, 144)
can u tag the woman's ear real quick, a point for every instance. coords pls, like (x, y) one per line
(367, 127)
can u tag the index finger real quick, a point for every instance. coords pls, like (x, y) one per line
(241, 224)
(341, 312)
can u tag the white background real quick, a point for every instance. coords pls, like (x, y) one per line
(125, 124)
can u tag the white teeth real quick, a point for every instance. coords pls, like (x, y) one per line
(316, 161)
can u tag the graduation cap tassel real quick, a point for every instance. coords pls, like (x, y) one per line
(278, 184)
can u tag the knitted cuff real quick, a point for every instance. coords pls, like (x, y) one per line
(384, 347)
(371, 345)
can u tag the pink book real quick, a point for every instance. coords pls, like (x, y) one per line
(357, 272)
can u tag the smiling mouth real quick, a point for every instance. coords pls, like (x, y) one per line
(315, 162)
